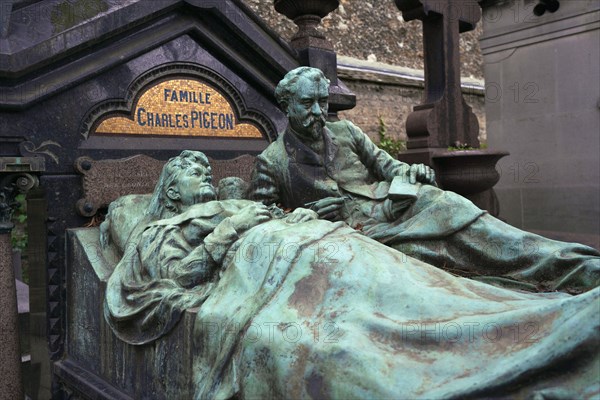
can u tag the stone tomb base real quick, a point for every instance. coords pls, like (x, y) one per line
(98, 365)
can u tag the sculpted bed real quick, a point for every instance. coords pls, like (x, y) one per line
(316, 310)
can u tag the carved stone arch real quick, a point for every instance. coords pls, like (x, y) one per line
(125, 107)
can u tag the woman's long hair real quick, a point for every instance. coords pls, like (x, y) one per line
(161, 206)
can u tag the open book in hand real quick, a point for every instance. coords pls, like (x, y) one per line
(402, 189)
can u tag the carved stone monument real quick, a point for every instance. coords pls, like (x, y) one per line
(110, 80)
(444, 120)
(307, 317)
(262, 301)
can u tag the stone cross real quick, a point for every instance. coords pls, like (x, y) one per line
(444, 118)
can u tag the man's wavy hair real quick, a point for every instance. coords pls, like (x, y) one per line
(161, 204)
(285, 90)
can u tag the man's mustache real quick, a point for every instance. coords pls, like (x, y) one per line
(310, 121)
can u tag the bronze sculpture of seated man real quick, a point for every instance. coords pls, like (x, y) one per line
(336, 170)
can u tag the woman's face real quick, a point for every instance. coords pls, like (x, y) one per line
(194, 185)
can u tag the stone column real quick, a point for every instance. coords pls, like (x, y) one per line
(11, 387)
(12, 182)
(313, 48)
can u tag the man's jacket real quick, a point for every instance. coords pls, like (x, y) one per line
(291, 173)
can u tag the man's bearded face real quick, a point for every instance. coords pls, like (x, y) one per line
(307, 110)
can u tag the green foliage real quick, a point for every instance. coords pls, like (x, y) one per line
(391, 146)
(458, 146)
(19, 218)
(19, 240)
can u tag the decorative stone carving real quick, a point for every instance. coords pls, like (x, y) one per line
(444, 118)
(16, 177)
(307, 15)
(13, 180)
(106, 180)
(244, 114)
(314, 50)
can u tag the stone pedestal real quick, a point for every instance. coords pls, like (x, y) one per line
(472, 174)
(10, 366)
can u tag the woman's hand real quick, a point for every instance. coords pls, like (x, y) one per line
(301, 215)
(250, 216)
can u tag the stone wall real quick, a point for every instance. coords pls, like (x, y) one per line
(374, 30)
(542, 73)
(381, 102)
(391, 92)
(380, 58)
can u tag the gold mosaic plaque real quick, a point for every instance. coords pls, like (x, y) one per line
(182, 107)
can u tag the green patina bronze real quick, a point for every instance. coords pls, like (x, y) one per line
(336, 169)
(290, 306)
(297, 306)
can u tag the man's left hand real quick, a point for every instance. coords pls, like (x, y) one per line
(421, 173)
